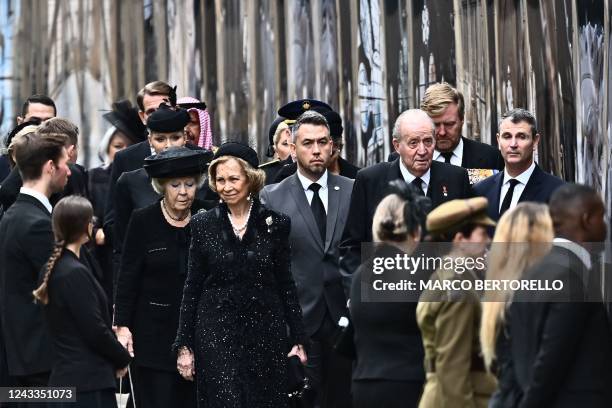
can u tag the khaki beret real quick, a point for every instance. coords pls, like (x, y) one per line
(456, 213)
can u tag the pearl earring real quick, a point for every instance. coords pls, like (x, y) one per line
(249, 197)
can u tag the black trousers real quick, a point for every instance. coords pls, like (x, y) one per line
(329, 372)
(386, 394)
(163, 389)
(92, 399)
(33, 380)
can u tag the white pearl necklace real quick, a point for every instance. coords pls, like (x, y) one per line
(238, 230)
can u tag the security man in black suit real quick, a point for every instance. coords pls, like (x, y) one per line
(26, 241)
(522, 179)
(288, 113)
(337, 164)
(561, 342)
(414, 141)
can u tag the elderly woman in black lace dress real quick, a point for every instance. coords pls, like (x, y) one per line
(239, 296)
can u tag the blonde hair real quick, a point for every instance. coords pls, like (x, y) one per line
(523, 236)
(437, 98)
(279, 130)
(256, 178)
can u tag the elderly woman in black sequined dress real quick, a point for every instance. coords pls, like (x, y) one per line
(239, 296)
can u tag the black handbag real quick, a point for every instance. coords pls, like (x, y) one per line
(301, 394)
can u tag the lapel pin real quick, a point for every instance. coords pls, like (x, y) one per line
(336, 188)
(444, 191)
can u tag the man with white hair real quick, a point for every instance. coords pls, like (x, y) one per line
(414, 141)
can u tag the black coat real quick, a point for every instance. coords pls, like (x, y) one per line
(98, 191)
(128, 159)
(238, 300)
(133, 191)
(477, 155)
(5, 168)
(272, 168)
(387, 338)
(446, 183)
(561, 350)
(26, 242)
(539, 188)
(87, 353)
(150, 285)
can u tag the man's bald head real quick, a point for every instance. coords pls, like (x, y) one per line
(577, 212)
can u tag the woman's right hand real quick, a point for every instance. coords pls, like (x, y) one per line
(124, 335)
(185, 364)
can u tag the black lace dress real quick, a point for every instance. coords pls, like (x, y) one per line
(238, 300)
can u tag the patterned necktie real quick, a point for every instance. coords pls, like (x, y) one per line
(318, 209)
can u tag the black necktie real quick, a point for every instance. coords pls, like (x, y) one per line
(418, 183)
(508, 197)
(447, 156)
(318, 210)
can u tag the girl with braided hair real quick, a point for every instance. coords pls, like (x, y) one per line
(389, 353)
(88, 356)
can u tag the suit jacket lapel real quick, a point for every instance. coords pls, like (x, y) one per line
(533, 186)
(333, 197)
(34, 201)
(301, 202)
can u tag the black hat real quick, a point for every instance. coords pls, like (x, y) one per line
(271, 132)
(239, 150)
(166, 119)
(177, 162)
(125, 118)
(17, 129)
(335, 124)
(294, 109)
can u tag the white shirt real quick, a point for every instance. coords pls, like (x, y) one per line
(456, 158)
(323, 191)
(408, 177)
(576, 249)
(37, 195)
(522, 178)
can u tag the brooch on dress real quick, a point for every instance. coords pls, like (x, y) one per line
(269, 223)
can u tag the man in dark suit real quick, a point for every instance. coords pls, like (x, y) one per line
(561, 344)
(317, 202)
(414, 141)
(36, 109)
(77, 181)
(522, 179)
(337, 165)
(446, 107)
(26, 241)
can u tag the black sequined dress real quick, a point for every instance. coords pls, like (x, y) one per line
(239, 298)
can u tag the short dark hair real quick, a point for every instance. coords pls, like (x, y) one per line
(570, 195)
(33, 150)
(152, 88)
(43, 99)
(309, 117)
(519, 115)
(62, 126)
